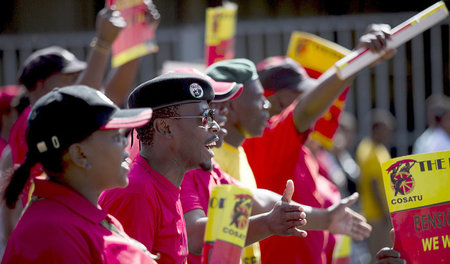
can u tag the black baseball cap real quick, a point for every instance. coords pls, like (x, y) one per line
(44, 62)
(171, 89)
(70, 114)
(280, 72)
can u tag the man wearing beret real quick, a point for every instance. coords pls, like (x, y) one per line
(278, 152)
(272, 214)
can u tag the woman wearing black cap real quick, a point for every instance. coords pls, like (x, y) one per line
(74, 133)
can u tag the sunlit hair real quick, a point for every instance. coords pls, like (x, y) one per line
(146, 133)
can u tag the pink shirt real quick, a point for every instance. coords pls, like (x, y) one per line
(150, 211)
(64, 227)
(198, 184)
(280, 155)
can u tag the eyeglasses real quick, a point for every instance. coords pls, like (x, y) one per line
(207, 118)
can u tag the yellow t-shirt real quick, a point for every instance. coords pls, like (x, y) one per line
(234, 162)
(370, 156)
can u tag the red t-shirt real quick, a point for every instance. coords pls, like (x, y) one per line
(196, 188)
(278, 155)
(65, 227)
(150, 211)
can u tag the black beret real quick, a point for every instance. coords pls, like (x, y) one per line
(171, 89)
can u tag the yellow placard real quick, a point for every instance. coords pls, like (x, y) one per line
(314, 52)
(220, 23)
(417, 180)
(215, 211)
(235, 217)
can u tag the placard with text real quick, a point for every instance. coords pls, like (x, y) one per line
(417, 191)
(220, 29)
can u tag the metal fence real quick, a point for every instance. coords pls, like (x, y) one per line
(400, 85)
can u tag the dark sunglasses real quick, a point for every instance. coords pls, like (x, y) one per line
(207, 118)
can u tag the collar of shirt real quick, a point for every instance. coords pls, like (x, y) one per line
(158, 177)
(69, 198)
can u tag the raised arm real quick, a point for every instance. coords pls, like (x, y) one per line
(314, 103)
(120, 80)
(108, 26)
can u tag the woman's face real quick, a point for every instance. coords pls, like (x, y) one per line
(107, 158)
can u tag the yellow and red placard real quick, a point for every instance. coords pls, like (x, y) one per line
(226, 230)
(219, 32)
(138, 38)
(317, 55)
(417, 191)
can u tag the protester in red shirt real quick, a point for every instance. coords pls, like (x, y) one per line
(274, 156)
(177, 139)
(53, 67)
(74, 133)
(267, 219)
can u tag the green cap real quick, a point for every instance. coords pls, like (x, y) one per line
(235, 70)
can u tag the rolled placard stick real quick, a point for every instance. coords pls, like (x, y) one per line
(363, 57)
(229, 226)
(215, 211)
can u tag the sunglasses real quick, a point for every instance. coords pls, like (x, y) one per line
(207, 118)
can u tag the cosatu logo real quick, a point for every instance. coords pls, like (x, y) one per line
(241, 212)
(402, 182)
(226, 230)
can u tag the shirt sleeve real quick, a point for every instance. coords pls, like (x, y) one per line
(138, 216)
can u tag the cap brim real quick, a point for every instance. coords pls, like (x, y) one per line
(225, 91)
(129, 118)
(74, 66)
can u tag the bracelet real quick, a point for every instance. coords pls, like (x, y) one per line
(100, 45)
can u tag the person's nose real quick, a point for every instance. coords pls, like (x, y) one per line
(214, 127)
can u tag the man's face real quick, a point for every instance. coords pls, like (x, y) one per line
(250, 110)
(221, 112)
(193, 140)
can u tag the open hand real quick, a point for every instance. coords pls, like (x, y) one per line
(285, 217)
(345, 221)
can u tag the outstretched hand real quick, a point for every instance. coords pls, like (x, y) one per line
(345, 221)
(285, 217)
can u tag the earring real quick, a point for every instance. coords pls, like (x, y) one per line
(88, 166)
